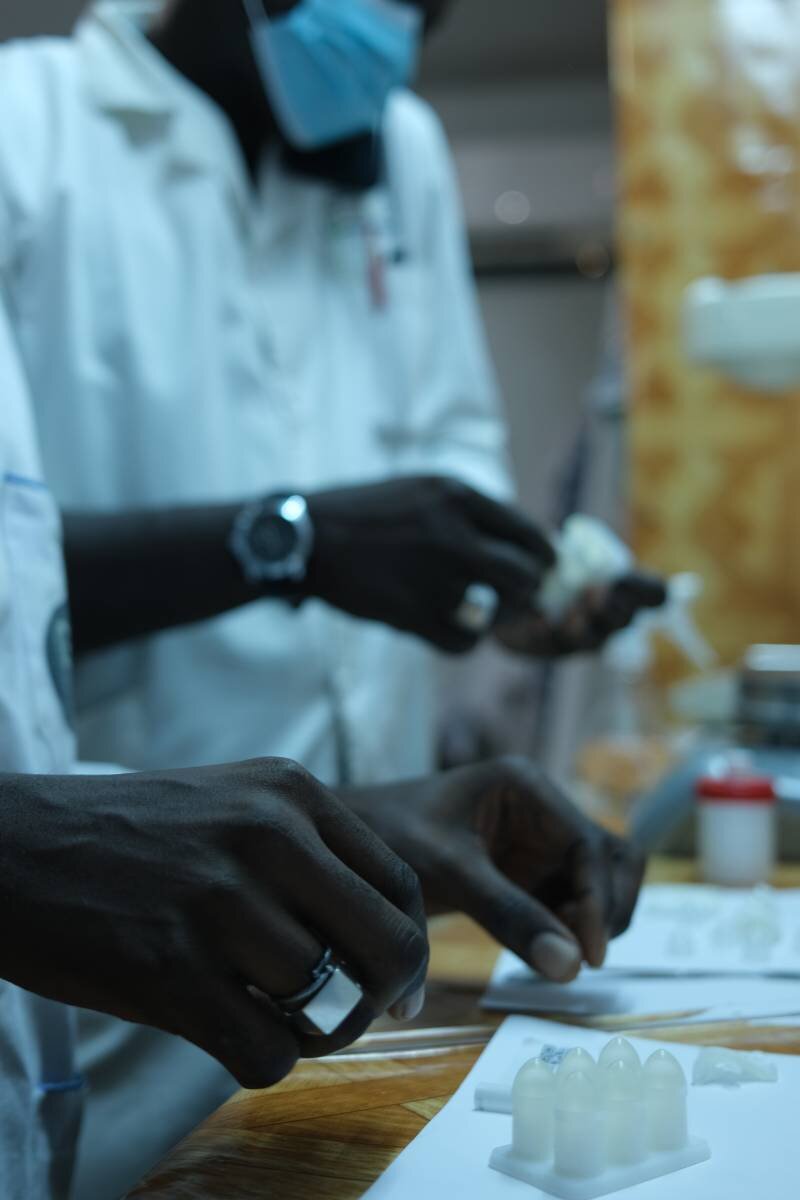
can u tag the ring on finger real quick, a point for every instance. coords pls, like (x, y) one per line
(320, 1008)
(478, 609)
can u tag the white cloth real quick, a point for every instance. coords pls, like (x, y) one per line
(189, 337)
(40, 1095)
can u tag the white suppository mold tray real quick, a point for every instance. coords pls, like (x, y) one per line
(611, 1179)
(590, 1128)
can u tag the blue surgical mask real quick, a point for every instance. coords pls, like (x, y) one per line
(329, 66)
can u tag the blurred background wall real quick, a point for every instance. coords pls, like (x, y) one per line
(27, 18)
(709, 129)
(522, 86)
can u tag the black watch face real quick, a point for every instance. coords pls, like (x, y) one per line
(273, 539)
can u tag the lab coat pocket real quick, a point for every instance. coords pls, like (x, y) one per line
(32, 549)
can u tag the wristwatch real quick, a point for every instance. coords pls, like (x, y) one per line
(272, 540)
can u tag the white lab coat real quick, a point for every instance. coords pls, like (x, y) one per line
(187, 337)
(40, 1093)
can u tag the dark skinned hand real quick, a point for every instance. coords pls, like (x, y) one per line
(598, 615)
(405, 551)
(167, 898)
(501, 843)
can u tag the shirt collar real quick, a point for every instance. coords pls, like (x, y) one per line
(128, 78)
(124, 73)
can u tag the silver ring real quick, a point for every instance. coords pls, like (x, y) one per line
(324, 1004)
(477, 611)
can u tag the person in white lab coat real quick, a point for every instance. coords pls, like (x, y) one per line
(221, 316)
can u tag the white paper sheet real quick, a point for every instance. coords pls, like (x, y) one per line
(690, 930)
(514, 987)
(752, 1132)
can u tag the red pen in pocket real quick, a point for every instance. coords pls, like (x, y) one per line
(376, 268)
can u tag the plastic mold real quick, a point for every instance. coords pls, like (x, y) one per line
(732, 1068)
(592, 1128)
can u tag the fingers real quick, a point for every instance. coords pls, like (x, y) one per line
(368, 906)
(642, 590)
(516, 575)
(268, 950)
(516, 919)
(445, 633)
(587, 912)
(507, 524)
(605, 876)
(596, 617)
(513, 576)
(331, 884)
(267, 946)
(627, 867)
(617, 607)
(594, 887)
(275, 956)
(256, 1047)
(360, 849)
(603, 612)
(597, 881)
(385, 951)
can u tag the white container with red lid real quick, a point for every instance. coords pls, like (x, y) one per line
(737, 828)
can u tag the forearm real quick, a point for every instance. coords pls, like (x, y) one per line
(136, 573)
(28, 804)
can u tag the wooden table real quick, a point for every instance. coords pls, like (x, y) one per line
(334, 1126)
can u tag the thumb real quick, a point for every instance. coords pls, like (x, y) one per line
(517, 920)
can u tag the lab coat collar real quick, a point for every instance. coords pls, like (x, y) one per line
(125, 74)
(128, 78)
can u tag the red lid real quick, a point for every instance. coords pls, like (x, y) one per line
(736, 789)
